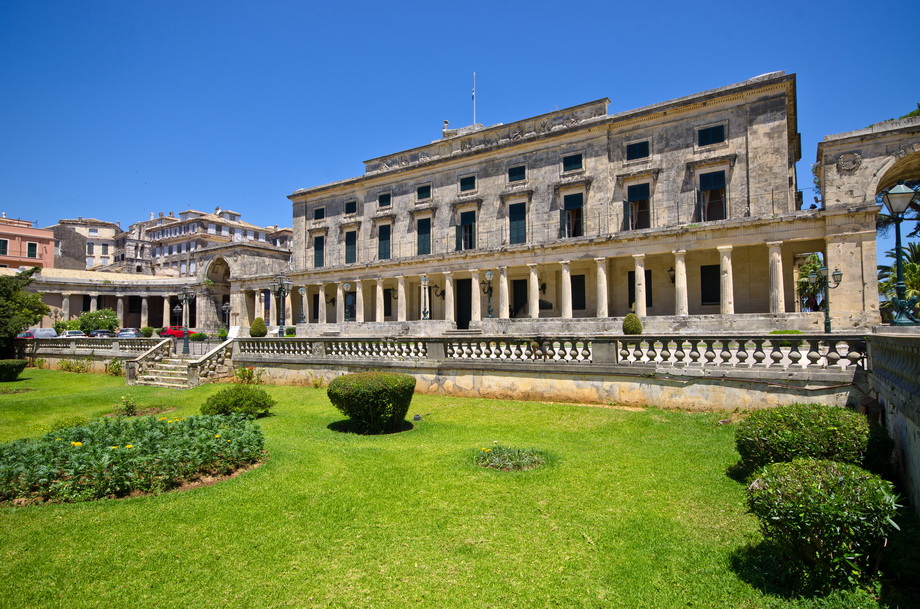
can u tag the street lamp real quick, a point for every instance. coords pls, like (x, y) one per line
(487, 289)
(897, 200)
(178, 312)
(345, 290)
(226, 310)
(814, 278)
(303, 304)
(185, 296)
(424, 296)
(281, 287)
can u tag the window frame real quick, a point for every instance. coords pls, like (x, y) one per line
(572, 225)
(388, 241)
(520, 180)
(419, 234)
(521, 227)
(581, 163)
(351, 248)
(418, 192)
(31, 245)
(708, 129)
(4, 247)
(632, 208)
(319, 253)
(466, 237)
(319, 212)
(713, 288)
(384, 196)
(702, 200)
(472, 189)
(351, 203)
(648, 150)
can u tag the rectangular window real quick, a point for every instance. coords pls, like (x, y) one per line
(571, 221)
(578, 293)
(94, 231)
(383, 241)
(711, 197)
(631, 289)
(351, 207)
(89, 249)
(31, 250)
(637, 150)
(105, 249)
(423, 192)
(4, 247)
(467, 183)
(517, 223)
(638, 214)
(710, 135)
(466, 231)
(572, 162)
(319, 251)
(710, 284)
(423, 230)
(351, 247)
(319, 213)
(517, 174)
(383, 200)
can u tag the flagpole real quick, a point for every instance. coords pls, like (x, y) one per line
(474, 98)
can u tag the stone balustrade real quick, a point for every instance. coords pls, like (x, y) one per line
(110, 347)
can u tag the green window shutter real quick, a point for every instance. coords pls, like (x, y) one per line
(571, 162)
(3, 247)
(424, 236)
(423, 192)
(351, 207)
(383, 242)
(32, 250)
(712, 181)
(517, 223)
(351, 247)
(383, 200)
(319, 251)
(516, 174)
(638, 150)
(467, 183)
(637, 192)
(575, 201)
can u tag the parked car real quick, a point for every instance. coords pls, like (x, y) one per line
(102, 334)
(73, 334)
(130, 333)
(177, 331)
(38, 333)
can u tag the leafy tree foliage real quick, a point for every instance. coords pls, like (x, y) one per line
(100, 319)
(811, 296)
(888, 273)
(19, 309)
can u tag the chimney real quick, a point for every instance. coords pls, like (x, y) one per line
(171, 215)
(151, 215)
(161, 214)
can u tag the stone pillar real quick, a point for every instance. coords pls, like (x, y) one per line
(272, 309)
(727, 304)
(184, 321)
(359, 301)
(640, 309)
(120, 309)
(167, 313)
(777, 291)
(288, 311)
(601, 287)
(681, 306)
(448, 296)
(503, 293)
(533, 292)
(65, 306)
(378, 304)
(401, 298)
(566, 304)
(93, 302)
(339, 303)
(145, 312)
(476, 304)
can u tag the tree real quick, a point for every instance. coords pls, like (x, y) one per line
(888, 273)
(100, 319)
(19, 309)
(811, 295)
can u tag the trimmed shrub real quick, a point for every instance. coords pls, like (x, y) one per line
(147, 331)
(258, 329)
(290, 331)
(376, 401)
(830, 519)
(802, 430)
(198, 337)
(10, 369)
(222, 334)
(157, 331)
(632, 324)
(239, 399)
(114, 367)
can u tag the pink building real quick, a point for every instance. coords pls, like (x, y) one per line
(22, 245)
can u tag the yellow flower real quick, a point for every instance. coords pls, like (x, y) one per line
(129, 445)
(161, 419)
(76, 443)
(113, 447)
(488, 450)
(217, 435)
(59, 439)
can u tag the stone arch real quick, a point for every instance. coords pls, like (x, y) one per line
(902, 165)
(218, 271)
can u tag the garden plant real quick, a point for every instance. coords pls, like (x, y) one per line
(377, 402)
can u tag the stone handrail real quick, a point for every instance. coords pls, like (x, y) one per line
(216, 363)
(138, 366)
(895, 365)
(81, 346)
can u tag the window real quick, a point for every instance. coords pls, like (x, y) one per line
(517, 174)
(89, 249)
(31, 250)
(319, 251)
(517, 223)
(637, 207)
(4, 247)
(423, 230)
(637, 150)
(383, 200)
(389, 295)
(467, 183)
(351, 207)
(710, 284)
(631, 290)
(319, 213)
(383, 241)
(573, 162)
(578, 292)
(351, 247)
(466, 231)
(571, 222)
(94, 231)
(711, 197)
(710, 135)
(423, 192)
(105, 249)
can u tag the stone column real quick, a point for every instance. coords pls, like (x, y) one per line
(566, 304)
(65, 306)
(777, 291)
(601, 287)
(288, 310)
(339, 303)
(640, 284)
(681, 306)
(727, 304)
(167, 313)
(272, 309)
(476, 304)
(378, 304)
(120, 309)
(237, 308)
(359, 301)
(93, 302)
(401, 298)
(145, 312)
(533, 292)
(503, 293)
(448, 296)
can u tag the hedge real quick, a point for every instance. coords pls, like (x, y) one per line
(10, 369)
(376, 401)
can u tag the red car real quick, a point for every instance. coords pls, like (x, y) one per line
(177, 331)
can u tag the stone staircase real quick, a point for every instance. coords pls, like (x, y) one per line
(168, 372)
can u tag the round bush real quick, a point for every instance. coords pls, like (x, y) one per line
(802, 430)
(632, 324)
(147, 331)
(831, 519)
(239, 399)
(376, 401)
(10, 369)
(258, 329)
(198, 337)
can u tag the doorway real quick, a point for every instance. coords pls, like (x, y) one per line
(464, 303)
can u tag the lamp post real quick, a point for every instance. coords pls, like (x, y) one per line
(185, 296)
(226, 310)
(303, 311)
(281, 287)
(345, 290)
(178, 311)
(897, 200)
(487, 289)
(822, 281)
(424, 297)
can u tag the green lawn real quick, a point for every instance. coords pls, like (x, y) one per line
(634, 510)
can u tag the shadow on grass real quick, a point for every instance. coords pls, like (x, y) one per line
(763, 566)
(901, 563)
(351, 426)
(739, 472)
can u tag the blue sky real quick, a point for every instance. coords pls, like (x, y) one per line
(117, 109)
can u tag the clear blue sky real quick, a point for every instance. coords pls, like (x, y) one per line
(115, 109)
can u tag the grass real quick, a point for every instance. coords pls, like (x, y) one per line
(634, 509)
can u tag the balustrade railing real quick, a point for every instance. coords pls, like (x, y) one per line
(504, 349)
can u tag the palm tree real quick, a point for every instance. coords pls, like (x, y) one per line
(887, 273)
(811, 295)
